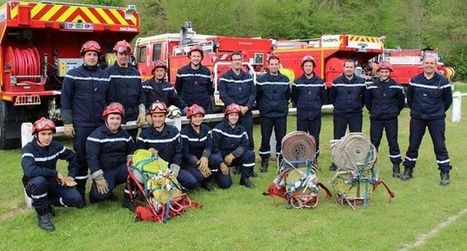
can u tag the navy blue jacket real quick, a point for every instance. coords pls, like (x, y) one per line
(384, 100)
(42, 161)
(239, 89)
(163, 92)
(429, 99)
(84, 96)
(347, 96)
(106, 150)
(195, 86)
(229, 140)
(167, 143)
(310, 96)
(196, 145)
(272, 95)
(125, 87)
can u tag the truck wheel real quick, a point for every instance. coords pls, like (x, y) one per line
(6, 142)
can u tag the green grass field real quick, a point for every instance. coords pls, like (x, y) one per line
(244, 219)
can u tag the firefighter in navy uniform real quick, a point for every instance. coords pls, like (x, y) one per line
(231, 147)
(125, 86)
(272, 94)
(237, 86)
(165, 140)
(385, 99)
(108, 149)
(348, 97)
(197, 147)
(194, 81)
(158, 89)
(429, 96)
(43, 183)
(309, 94)
(84, 97)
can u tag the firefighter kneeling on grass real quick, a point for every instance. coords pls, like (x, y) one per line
(164, 140)
(108, 148)
(197, 146)
(231, 146)
(43, 183)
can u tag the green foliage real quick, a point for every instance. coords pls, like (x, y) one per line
(409, 24)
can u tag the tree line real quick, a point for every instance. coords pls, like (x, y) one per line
(406, 24)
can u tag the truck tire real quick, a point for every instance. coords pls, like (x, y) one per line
(7, 142)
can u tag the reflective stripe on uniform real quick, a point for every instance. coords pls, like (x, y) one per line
(236, 81)
(272, 83)
(230, 135)
(159, 140)
(109, 140)
(38, 196)
(430, 86)
(43, 159)
(193, 139)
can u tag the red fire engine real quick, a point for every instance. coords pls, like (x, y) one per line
(329, 51)
(39, 43)
(173, 49)
(408, 63)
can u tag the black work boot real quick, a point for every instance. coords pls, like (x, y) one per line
(45, 222)
(254, 174)
(247, 182)
(396, 170)
(444, 179)
(333, 167)
(407, 175)
(208, 186)
(127, 203)
(264, 165)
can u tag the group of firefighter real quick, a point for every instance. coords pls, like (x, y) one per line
(96, 102)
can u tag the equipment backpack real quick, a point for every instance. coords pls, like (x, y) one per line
(356, 177)
(156, 193)
(297, 179)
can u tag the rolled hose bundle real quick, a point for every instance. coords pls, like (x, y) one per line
(298, 146)
(353, 152)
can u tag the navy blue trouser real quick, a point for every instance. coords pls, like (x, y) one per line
(114, 177)
(79, 145)
(46, 192)
(223, 181)
(247, 122)
(280, 128)
(436, 129)
(354, 121)
(187, 179)
(391, 128)
(246, 161)
(313, 127)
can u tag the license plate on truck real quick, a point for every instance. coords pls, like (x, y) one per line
(78, 26)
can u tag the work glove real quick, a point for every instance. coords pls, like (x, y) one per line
(174, 169)
(228, 159)
(149, 119)
(68, 130)
(141, 120)
(224, 169)
(101, 184)
(203, 166)
(70, 182)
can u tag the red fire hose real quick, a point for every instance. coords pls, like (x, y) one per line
(23, 62)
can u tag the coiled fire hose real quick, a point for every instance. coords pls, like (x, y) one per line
(353, 152)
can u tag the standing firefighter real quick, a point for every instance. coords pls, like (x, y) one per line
(125, 86)
(108, 149)
(43, 183)
(231, 147)
(273, 93)
(429, 96)
(158, 89)
(83, 99)
(385, 99)
(194, 81)
(164, 140)
(309, 94)
(237, 86)
(348, 97)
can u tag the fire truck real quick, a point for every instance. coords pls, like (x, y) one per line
(39, 43)
(173, 48)
(330, 52)
(408, 63)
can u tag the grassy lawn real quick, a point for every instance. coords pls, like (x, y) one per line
(244, 219)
